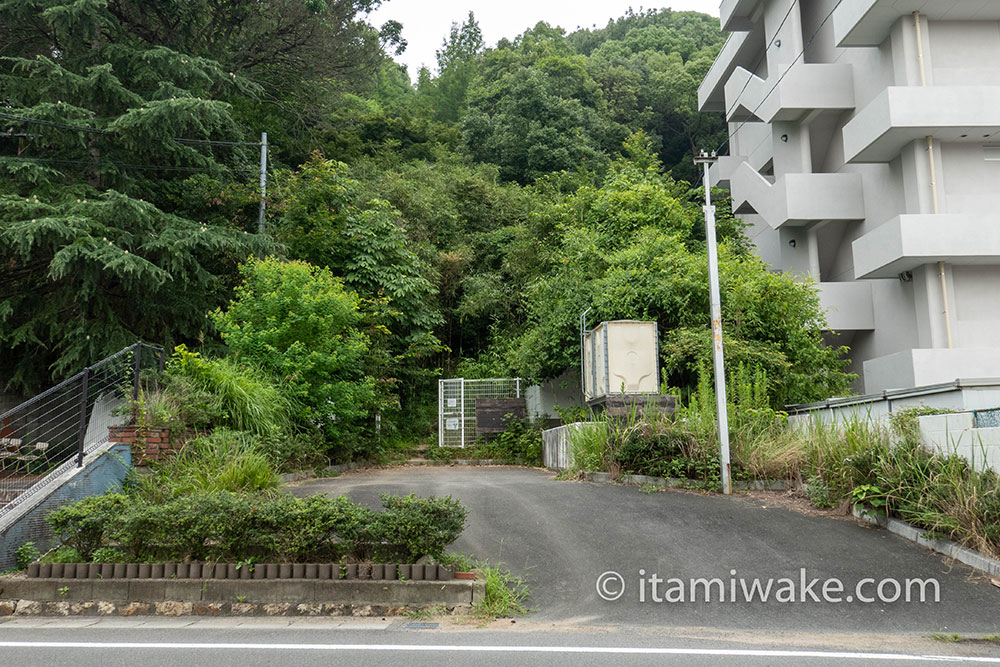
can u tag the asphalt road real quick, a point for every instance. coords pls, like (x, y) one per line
(561, 536)
(169, 642)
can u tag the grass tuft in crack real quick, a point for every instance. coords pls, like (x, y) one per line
(505, 594)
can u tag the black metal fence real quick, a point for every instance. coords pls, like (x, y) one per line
(53, 432)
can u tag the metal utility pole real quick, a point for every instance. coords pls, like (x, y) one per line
(707, 160)
(263, 181)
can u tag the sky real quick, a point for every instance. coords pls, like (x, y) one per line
(426, 23)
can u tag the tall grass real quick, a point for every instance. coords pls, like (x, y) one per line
(223, 461)
(242, 396)
(857, 460)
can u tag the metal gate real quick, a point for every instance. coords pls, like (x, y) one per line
(457, 406)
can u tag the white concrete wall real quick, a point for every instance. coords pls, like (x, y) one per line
(557, 450)
(956, 434)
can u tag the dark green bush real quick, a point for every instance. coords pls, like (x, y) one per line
(26, 554)
(85, 525)
(231, 527)
(412, 527)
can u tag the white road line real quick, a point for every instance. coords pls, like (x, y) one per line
(427, 648)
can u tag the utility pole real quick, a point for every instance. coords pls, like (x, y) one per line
(263, 181)
(707, 160)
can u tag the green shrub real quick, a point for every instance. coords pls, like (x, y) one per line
(520, 443)
(86, 525)
(238, 395)
(414, 527)
(232, 527)
(26, 554)
(109, 555)
(298, 323)
(819, 493)
(194, 406)
(223, 460)
(63, 554)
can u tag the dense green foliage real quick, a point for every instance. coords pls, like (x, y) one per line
(297, 322)
(94, 256)
(633, 247)
(459, 222)
(224, 460)
(222, 392)
(520, 444)
(230, 527)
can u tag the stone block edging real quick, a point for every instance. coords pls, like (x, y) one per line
(19, 608)
(677, 483)
(973, 559)
(23, 596)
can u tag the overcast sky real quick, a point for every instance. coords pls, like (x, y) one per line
(426, 23)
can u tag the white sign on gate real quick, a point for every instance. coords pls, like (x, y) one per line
(457, 398)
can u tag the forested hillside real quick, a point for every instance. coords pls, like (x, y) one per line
(455, 223)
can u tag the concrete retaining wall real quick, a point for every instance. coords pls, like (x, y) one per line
(176, 597)
(556, 451)
(103, 470)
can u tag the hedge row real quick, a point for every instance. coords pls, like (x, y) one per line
(238, 528)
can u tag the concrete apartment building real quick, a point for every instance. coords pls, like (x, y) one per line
(865, 152)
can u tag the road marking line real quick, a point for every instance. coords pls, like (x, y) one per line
(427, 648)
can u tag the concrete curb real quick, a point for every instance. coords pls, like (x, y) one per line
(973, 559)
(677, 483)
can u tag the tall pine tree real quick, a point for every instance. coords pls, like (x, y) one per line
(91, 256)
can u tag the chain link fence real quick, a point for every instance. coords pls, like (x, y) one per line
(457, 406)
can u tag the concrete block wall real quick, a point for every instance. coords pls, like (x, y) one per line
(957, 434)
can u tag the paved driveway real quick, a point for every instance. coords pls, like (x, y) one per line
(562, 535)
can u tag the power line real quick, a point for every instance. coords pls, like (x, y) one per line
(123, 165)
(49, 123)
(763, 53)
(781, 78)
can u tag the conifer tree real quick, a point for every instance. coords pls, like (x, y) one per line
(93, 258)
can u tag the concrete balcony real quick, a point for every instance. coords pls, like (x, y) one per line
(803, 89)
(797, 199)
(721, 173)
(902, 114)
(740, 50)
(909, 241)
(848, 306)
(868, 22)
(736, 14)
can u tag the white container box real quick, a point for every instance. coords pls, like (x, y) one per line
(620, 358)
